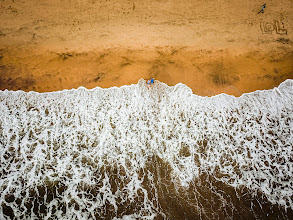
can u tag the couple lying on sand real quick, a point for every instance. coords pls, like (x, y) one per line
(151, 81)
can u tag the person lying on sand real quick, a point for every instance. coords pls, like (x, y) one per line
(262, 9)
(151, 81)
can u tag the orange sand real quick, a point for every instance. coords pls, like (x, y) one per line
(213, 47)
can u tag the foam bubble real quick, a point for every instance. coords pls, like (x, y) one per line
(115, 152)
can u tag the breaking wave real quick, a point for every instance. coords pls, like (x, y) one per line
(139, 152)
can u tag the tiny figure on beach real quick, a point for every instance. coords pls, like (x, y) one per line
(151, 81)
(262, 9)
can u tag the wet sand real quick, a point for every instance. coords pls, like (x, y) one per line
(222, 46)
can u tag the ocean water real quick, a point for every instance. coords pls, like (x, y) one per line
(146, 153)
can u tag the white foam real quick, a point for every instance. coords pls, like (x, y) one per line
(70, 136)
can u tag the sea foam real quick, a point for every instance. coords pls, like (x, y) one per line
(109, 153)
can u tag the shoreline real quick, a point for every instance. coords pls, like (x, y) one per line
(206, 72)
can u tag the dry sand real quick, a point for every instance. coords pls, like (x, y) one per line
(212, 46)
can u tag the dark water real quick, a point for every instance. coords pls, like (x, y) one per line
(139, 153)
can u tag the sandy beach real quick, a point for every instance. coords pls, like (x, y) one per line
(146, 152)
(213, 47)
